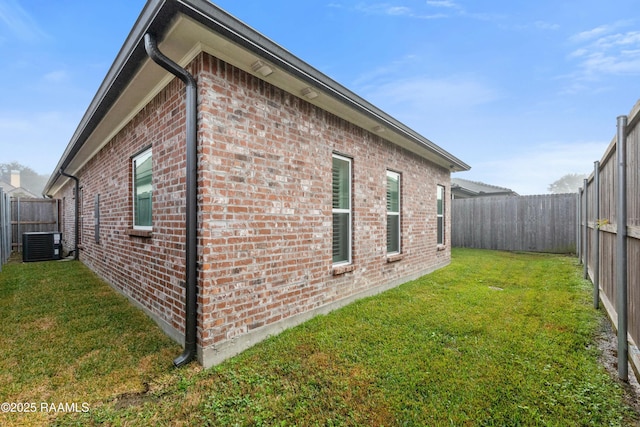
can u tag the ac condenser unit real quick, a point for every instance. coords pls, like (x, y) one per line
(41, 246)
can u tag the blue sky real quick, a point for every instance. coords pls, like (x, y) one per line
(524, 92)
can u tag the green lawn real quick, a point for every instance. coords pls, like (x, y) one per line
(494, 339)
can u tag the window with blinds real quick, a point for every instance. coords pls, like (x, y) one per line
(142, 191)
(440, 214)
(341, 210)
(393, 213)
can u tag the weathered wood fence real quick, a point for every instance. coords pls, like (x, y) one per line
(609, 234)
(545, 223)
(5, 228)
(32, 215)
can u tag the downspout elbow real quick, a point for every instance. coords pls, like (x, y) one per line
(191, 327)
(151, 47)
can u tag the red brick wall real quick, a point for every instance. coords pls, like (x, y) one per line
(150, 270)
(266, 207)
(265, 219)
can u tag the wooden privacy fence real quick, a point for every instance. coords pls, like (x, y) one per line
(545, 223)
(5, 227)
(32, 215)
(609, 234)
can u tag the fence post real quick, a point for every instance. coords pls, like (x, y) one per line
(621, 249)
(586, 228)
(596, 235)
(579, 225)
(18, 234)
(2, 228)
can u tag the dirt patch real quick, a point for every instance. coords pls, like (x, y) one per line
(127, 400)
(607, 341)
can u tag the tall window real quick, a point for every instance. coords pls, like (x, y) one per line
(393, 212)
(341, 210)
(440, 214)
(142, 191)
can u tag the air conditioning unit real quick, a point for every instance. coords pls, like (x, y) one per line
(41, 246)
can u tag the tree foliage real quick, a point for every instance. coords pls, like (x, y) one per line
(29, 179)
(569, 183)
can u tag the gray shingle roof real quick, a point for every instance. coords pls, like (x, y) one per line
(475, 189)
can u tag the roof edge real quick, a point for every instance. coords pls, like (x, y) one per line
(157, 17)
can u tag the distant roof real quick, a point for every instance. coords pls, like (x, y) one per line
(16, 191)
(6, 186)
(466, 188)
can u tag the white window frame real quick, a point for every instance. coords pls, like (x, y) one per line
(347, 211)
(396, 175)
(141, 157)
(440, 225)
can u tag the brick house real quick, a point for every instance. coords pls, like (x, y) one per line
(303, 196)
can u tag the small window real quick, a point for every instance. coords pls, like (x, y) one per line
(341, 210)
(393, 213)
(142, 191)
(440, 214)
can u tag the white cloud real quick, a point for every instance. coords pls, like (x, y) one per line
(18, 22)
(387, 71)
(56, 76)
(443, 3)
(536, 25)
(428, 104)
(544, 25)
(532, 170)
(591, 34)
(421, 95)
(612, 41)
(458, 10)
(431, 9)
(579, 53)
(624, 62)
(602, 51)
(393, 10)
(398, 10)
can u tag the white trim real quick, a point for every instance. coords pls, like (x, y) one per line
(441, 215)
(141, 156)
(347, 211)
(392, 174)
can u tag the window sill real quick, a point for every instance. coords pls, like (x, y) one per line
(394, 258)
(441, 247)
(139, 233)
(342, 269)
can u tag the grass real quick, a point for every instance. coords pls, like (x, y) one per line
(494, 339)
(65, 336)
